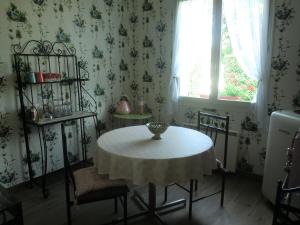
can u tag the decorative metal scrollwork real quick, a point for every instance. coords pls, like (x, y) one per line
(289, 162)
(60, 48)
(86, 103)
(41, 47)
(84, 74)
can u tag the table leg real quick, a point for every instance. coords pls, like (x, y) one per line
(152, 198)
(150, 207)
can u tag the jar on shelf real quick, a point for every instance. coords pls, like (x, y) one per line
(55, 76)
(47, 77)
(33, 113)
(48, 111)
(141, 105)
(30, 77)
(39, 77)
(51, 77)
(57, 108)
(67, 108)
(36, 112)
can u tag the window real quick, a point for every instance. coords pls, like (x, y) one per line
(207, 64)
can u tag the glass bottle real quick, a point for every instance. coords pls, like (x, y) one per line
(141, 105)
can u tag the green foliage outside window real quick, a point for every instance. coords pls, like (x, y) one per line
(236, 82)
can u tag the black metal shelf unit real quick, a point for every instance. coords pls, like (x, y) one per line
(59, 99)
(63, 81)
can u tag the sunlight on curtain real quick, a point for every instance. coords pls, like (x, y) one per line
(247, 22)
(244, 20)
(192, 40)
(194, 23)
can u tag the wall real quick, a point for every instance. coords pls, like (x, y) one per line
(285, 77)
(127, 46)
(153, 70)
(92, 27)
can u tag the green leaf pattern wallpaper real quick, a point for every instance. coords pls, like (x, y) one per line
(126, 46)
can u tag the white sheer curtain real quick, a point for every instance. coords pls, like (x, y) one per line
(190, 49)
(247, 22)
(174, 87)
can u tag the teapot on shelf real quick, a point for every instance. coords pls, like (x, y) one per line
(123, 105)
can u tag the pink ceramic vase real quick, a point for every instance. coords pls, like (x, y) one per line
(123, 107)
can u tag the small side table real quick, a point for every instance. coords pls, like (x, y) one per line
(132, 118)
(10, 209)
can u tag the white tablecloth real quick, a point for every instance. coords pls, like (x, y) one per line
(130, 153)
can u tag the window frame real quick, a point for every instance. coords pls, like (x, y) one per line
(213, 100)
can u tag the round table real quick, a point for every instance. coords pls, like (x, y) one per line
(130, 153)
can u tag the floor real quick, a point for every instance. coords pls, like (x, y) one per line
(244, 205)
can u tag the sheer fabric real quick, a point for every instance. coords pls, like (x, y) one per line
(191, 28)
(247, 22)
(174, 87)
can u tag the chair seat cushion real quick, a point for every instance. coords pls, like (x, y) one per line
(90, 186)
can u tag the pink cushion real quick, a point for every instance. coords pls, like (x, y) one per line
(88, 180)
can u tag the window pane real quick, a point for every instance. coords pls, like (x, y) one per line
(234, 84)
(194, 33)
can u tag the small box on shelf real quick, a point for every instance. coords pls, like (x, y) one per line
(51, 77)
(30, 77)
(39, 77)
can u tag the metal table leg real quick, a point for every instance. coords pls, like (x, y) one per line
(152, 198)
(152, 209)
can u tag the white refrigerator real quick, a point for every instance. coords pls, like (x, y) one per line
(283, 125)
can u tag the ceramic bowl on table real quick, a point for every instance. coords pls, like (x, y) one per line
(157, 128)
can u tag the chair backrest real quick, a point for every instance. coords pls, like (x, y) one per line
(69, 169)
(293, 163)
(213, 125)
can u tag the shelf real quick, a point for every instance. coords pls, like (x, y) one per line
(66, 83)
(59, 81)
(74, 116)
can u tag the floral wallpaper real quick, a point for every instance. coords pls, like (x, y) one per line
(94, 28)
(126, 46)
